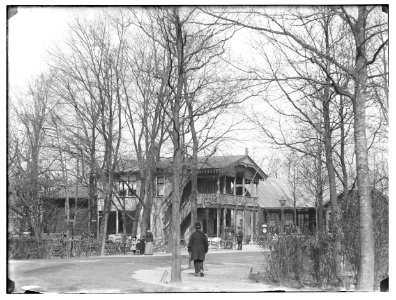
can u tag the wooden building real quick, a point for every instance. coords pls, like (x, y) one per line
(278, 207)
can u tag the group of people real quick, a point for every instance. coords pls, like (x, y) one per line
(143, 246)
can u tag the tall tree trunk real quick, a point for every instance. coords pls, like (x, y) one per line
(319, 189)
(366, 270)
(148, 201)
(76, 200)
(194, 171)
(342, 151)
(91, 181)
(335, 208)
(176, 137)
(105, 219)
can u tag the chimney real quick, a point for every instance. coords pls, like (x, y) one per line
(246, 151)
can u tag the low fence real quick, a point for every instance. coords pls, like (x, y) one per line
(49, 248)
(27, 247)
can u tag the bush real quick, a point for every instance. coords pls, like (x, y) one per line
(301, 258)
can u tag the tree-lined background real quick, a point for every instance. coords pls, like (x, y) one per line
(307, 84)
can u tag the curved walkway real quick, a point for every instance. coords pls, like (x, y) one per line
(225, 271)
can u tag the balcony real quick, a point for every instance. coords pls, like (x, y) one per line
(224, 199)
(130, 204)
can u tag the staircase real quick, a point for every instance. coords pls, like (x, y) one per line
(185, 213)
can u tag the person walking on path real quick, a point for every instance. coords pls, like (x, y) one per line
(198, 247)
(149, 243)
(240, 238)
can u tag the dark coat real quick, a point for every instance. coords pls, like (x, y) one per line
(149, 237)
(198, 245)
(240, 236)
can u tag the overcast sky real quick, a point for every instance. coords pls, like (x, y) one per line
(34, 30)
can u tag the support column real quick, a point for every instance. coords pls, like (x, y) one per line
(243, 187)
(218, 222)
(116, 221)
(218, 185)
(234, 186)
(224, 222)
(235, 219)
(254, 216)
(225, 184)
(252, 194)
(244, 221)
(232, 218)
(260, 216)
(257, 192)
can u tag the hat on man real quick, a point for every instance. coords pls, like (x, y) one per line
(197, 225)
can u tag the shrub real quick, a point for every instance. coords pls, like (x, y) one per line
(302, 258)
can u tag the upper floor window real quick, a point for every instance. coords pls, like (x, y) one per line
(160, 185)
(127, 186)
(132, 185)
(121, 188)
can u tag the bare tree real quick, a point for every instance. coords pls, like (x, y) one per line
(365, 36)
(92, 70)
(28, 166)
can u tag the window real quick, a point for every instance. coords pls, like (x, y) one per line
(127, 186)
(132, 185)
(160, 185)
(121, 188)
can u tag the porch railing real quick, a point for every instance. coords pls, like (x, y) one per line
(224, 199)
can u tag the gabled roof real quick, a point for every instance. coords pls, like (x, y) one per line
(222, 163)
(272, 190)
(352, 192)
(218, 162)
(204, 162)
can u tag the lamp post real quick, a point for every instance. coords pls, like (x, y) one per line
(282, 202)
(206, 205)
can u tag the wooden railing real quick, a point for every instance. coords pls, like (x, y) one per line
(185, 208)
(223, 199)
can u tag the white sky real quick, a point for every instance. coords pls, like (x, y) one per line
(34, 30)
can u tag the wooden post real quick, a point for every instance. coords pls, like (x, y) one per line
(234, 186)
(218, 222)
(244, 221)
(116, 220)
(225, 184)
(218, 185)
(243, 187)
(224, 222)
(235, 219)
